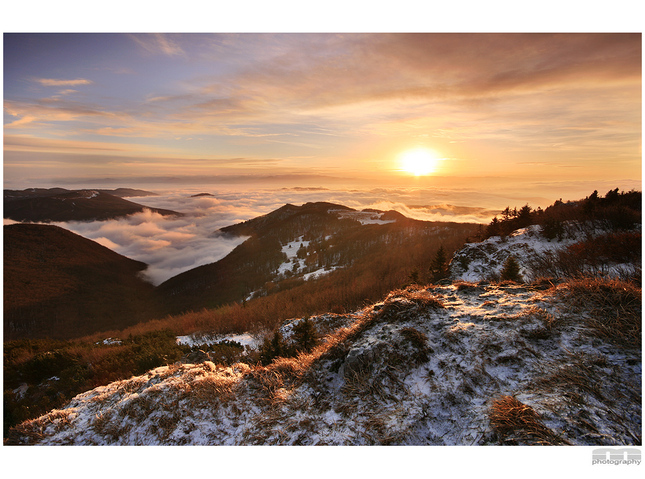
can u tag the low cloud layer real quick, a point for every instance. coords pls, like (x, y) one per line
(168, 245)
(172, 245)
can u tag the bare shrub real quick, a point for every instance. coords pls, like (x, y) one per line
(595, 256)
(401, 301)
(418, 341)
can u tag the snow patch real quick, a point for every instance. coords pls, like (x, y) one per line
(198, 339)
(364, 217)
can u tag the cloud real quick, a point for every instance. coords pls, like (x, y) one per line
(56, 82)
(31, 143)
(168, 245)
(48, 110)
(172, 245)
(351, 69)
(158, 43)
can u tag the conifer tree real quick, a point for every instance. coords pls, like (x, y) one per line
(511, 270)
(438, 267)
(413, 278)
(304, 335)
(272, 348)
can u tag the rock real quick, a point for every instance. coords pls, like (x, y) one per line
(196, 357)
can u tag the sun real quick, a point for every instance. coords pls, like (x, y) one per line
(419, 162)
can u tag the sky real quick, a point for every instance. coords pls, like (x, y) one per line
(543, 113)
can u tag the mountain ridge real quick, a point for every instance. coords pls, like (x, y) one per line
(71, 205)
(293, 243)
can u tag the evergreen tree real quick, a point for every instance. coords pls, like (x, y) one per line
(304, 335)
(413, 277)
(494, 228)
(439, 268)
(511, 270)
(272, 348)
(523, 217)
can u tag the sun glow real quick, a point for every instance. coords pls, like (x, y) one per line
(419, 162)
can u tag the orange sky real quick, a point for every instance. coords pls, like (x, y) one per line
(332, 107)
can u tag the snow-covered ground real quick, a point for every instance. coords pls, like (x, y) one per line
(422, 367)
(297, 265)
(485, 260)
(480, 261)
(291, 250)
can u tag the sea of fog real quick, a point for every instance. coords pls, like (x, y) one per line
(172, 245)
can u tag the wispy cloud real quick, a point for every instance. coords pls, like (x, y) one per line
(158, 43)
(57, 82)
(55, 109)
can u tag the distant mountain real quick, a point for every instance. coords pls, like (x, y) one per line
(35, 192)
(56, 204)
(305, 217)
(295, 244)
(58, 284)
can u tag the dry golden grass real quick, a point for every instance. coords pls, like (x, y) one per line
(516, 423)
(105, 424)
(420, 297)
(615, 308)
(32, 431)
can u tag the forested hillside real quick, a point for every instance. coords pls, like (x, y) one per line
(60, 285)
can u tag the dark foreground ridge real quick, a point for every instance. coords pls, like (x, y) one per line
(58, 284)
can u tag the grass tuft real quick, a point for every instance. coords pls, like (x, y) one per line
(515, 423)
(615, 308)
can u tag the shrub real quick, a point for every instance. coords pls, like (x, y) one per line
(418, 340)
(272, 348)
(552, 228)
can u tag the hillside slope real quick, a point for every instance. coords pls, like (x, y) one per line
(585, 249)
(294, 244)
(58, 284)
(78, 205)
(463, 364)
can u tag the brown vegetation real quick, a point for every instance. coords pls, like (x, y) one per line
(58, 284)
(515, 423)
(614, 305)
